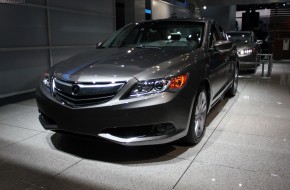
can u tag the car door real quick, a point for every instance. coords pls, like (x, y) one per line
(229, 59)
(218, 64)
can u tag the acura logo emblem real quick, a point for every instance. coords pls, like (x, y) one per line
(75, 90)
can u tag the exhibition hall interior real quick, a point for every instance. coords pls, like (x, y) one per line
(144, 94)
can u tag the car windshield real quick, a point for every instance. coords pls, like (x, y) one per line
(158, 34)
(240, 38)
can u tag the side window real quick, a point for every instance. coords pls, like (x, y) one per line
(131, 37)
(214, 36)
(223, 34)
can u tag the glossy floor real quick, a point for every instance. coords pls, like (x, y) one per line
(246, 146)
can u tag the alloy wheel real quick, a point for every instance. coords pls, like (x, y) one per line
(200, 114)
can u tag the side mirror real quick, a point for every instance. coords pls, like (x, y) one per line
(222, 45)
(259, 42)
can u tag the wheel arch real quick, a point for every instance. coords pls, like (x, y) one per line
(205, 82)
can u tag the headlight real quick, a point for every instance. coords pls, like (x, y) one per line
(245, 51)
(159, 85)
(46, 80)
(149, 87)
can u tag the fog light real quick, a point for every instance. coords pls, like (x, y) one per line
(164, 129)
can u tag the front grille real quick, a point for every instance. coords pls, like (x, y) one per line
(84, 94)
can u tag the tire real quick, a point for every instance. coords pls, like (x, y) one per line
(253, 71)
(234, 87)
(258, 59)
(198, 118)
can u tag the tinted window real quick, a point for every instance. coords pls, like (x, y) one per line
(240, 38)
(223, 34)
(214, 36)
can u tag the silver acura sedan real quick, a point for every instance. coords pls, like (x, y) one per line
(152, 82)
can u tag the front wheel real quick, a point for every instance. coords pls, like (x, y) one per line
(197, 124)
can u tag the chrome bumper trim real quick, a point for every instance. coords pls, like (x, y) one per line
(139, 141)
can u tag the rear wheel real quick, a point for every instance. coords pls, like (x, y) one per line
(199, 113)
(233, 89)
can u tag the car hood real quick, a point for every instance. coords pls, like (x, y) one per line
(243, 46)
(120, 64)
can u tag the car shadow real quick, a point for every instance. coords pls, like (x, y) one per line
(242, 73)
(94, 149)
(216, 110)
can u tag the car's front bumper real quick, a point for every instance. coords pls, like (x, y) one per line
(144, 112)
(248, 65)
(248, 62)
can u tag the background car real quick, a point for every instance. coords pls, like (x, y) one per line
(150, 83)
(248, 49)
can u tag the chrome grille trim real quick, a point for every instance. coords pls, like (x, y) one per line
(89, 94)
(84, 99)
